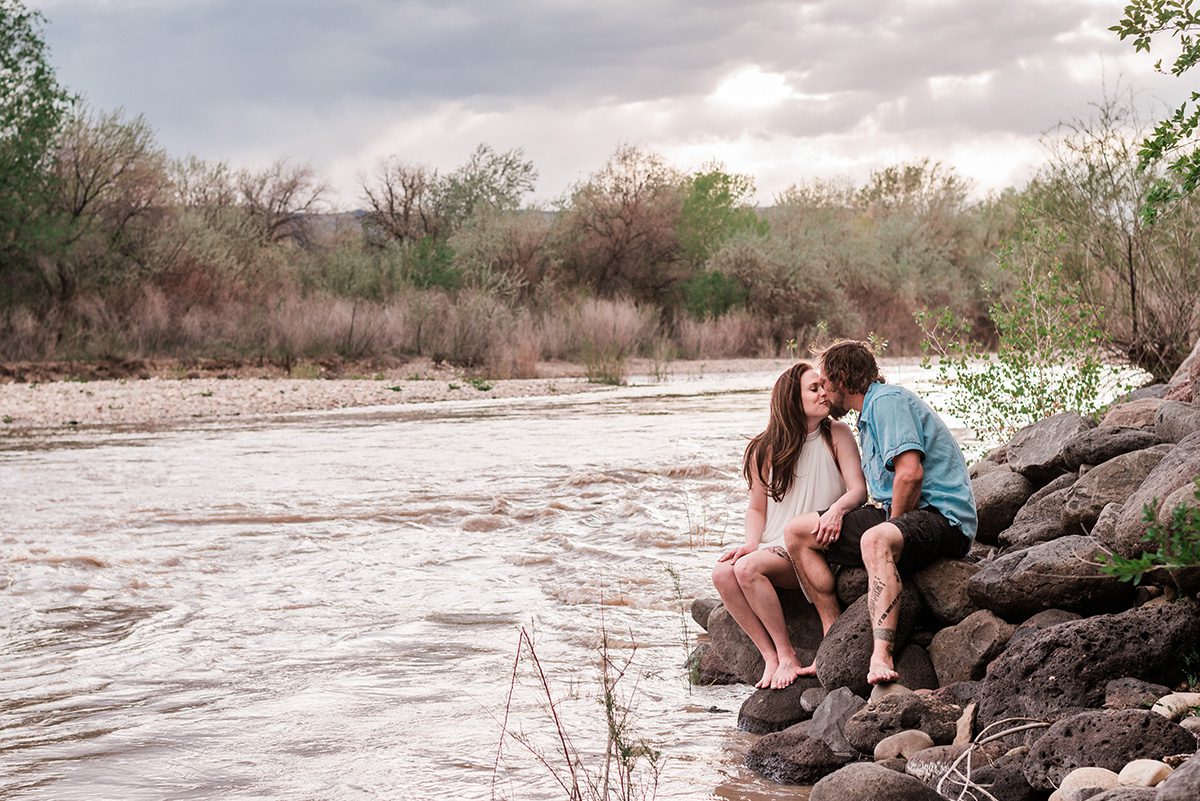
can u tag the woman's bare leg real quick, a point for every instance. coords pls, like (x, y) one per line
(725, 580)
(759, 574)
(815, 576)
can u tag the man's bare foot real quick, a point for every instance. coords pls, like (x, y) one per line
(789, 670)
(772, 665)
(881, 672)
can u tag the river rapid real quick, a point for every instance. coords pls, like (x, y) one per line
(328, 606)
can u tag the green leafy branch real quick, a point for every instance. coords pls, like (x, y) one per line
(1177, 541)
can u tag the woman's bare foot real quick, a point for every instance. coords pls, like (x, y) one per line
(789, 670)
(881, 672)
(772, 665)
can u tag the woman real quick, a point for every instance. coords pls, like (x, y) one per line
(801, 465)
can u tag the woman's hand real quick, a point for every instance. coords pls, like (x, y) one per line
(829, 526)
(737, 553)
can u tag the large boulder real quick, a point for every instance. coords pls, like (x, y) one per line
(962, 652)
(902, 712)
(1183, 784)
(1177, 469)
(1138, 413)
(793, 757)
(774, 710)
(916, 668)
(702, 608)
(1130, 693)
(1040, 519)
(706, 667)
(1183, 384)
(1098, 445)
(1068, 666)
(1102, 739)
(1036, 451)
(828, 722)
(844, 656)
(866, 781)
(1061, 574)
(999, 495)
(851, 584)
(1042, 620)
(1175, 420)
(943, 589)
(1111, 482)
(736, 650)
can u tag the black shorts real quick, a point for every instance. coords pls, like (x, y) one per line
(928, 536)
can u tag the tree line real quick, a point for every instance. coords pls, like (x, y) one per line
(111, 247)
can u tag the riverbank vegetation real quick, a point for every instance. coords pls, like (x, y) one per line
(112, 248)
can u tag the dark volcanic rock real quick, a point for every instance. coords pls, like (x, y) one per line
(702, 608)
(1036, 451)
(999, 495)
(916, 668)
(1102, 739)
(844, 656)
(962, 652)
(866, 781)
(1111, 482)
(737, 651)
(902, 712)
(792, 757)
(705, 667)
(1133, 414)
(828, 722)
(1177, 469)
(1183, 784)
(1069, 665)
(775, 710)
(1040, 520)
(1061, 574)
(1175, 420)
(1126, 794)
(1098, 445)
(1042, 620)
(851, 584)
(943, 589)
(1131, 693)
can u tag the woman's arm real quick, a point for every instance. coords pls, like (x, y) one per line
(850, 465)
(756, 520)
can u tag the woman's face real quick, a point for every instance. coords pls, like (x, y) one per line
(812, 395)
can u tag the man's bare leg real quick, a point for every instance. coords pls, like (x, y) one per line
(736, 604)
(881, 548)
(813, 571)
(759, 574)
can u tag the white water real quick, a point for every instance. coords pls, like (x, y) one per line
(328, 606)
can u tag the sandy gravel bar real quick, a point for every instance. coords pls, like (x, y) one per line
(158, 401)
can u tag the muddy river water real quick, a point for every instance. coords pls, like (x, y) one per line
(327, 606)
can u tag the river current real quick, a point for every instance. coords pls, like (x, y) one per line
(327, 606)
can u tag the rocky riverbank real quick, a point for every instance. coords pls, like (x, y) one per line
(1029, 673)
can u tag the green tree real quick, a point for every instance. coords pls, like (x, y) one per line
(1175, 137)
(716, 206)
(32, 108)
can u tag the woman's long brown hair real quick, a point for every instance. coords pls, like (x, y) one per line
(772, 454)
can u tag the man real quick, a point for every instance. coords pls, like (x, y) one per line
(917, 474)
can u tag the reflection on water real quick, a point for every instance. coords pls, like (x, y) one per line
(327, 606)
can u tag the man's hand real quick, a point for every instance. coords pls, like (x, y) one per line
(829, 526)
(737, 553)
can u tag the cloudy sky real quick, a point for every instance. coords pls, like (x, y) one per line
(784, 91)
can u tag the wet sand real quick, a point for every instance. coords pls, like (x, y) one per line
(162, 399)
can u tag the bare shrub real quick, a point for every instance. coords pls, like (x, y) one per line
(738, 333)
(472, 324)
(518, 354)
(24, 336)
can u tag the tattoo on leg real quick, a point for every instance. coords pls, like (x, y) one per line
(873, 596)
(888, 611)
(887, 635)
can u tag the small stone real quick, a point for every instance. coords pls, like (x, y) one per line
(885, 689)
(1144, 773)
(965, 725)
(811, 698)
(1176, 705)
(1085, 778)
(902, 744)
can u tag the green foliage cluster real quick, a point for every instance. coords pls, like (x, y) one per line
(1175, 136)
(1049, 357)
(1177, 543)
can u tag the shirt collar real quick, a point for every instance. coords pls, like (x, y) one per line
(868, 396)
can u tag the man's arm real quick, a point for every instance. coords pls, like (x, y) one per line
(906, 485)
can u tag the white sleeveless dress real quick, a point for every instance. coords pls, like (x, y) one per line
(817, 485)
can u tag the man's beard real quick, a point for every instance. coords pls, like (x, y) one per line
(836, 410)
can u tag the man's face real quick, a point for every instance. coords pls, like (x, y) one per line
(836, 394)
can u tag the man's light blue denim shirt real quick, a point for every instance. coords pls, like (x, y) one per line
(894, 420)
